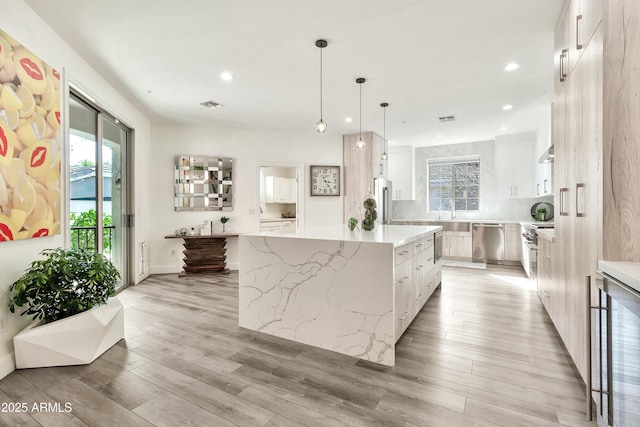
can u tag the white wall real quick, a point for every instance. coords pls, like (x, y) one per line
(248, 148)
(18, 20)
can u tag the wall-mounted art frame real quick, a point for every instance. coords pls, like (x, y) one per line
(203, 183)
(30, 151)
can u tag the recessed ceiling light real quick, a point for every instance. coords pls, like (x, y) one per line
(507, 107)
(227, 76)
(348, 120)
(511, 66)
(439, 135)
(504, 128)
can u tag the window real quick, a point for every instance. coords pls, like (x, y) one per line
(454, 179)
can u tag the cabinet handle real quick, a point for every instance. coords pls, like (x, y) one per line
(562, 211)
(403, 279)
(579, 190)
(578, 44)
(538, 189)
(546, 293)
(419, 245)
(563, 56)
(430, 259)
(544, 186)
(404, 316)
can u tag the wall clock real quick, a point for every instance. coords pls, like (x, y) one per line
(325, 180)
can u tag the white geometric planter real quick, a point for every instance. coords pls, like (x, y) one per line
(75, 340)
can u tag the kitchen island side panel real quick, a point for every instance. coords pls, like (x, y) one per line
(333, 294)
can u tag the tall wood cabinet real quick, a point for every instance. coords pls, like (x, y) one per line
(361, 166)
(621, 201)
(577, 121)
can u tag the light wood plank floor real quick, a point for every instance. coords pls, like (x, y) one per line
(482, 352)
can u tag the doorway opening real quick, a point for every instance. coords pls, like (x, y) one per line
(98, 188)
(280, 202)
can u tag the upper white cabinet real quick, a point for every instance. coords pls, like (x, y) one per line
(400, 164)
(278, 189)
(515, 166)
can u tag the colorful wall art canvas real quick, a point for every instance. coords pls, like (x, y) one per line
(30, 146)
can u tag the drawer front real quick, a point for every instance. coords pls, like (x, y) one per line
(403, 253)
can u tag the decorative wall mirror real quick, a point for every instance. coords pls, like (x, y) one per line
(203, 183)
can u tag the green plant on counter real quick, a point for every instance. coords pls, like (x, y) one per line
(64, 283)
(224, 220)
(541, 214)
(352, 224)
(370, 214)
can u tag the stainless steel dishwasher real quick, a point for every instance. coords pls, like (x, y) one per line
(488, 242)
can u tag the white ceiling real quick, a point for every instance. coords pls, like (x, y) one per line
(426, 58)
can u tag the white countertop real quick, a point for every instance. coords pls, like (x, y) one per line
(546, 233)
(398, 235)
(625, 272)
(476, 221)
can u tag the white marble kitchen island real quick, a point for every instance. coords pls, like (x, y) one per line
(350, 292)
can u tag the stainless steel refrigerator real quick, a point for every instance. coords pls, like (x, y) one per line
(382, 191)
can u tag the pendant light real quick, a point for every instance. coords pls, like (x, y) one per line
(360, 144)
(384, 105)
(321, 126)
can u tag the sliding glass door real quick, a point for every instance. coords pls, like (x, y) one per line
(98, 183)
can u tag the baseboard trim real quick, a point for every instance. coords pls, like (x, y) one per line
(7, 365)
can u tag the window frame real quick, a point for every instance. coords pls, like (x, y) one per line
(453, 161)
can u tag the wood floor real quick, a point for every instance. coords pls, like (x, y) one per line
(482, 352)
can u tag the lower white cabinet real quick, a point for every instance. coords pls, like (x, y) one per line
(456, 244)
(416, 276)
(512, 245)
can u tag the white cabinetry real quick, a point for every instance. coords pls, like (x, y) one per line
(278, 189)
(456, 244)
(416, 276)
(512, 242)
(544, 185)
(400, 164)
(515, 166)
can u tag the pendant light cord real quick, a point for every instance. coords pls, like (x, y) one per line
(321, 84)
(360, 111)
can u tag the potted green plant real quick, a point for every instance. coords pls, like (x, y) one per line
(541, 214)
(224, 220)
(68, 294)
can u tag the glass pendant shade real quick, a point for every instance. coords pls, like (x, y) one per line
(321, 126)
(384, 155)
(360, 144)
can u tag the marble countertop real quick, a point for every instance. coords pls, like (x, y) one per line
(477, 221)
(398, 235)
(546, 233)
(625, 272)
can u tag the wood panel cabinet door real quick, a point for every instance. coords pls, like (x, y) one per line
(512, 242)
(460, 246)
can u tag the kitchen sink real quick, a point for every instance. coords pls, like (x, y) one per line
(453, 225)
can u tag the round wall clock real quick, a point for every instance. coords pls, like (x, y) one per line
(325, 180)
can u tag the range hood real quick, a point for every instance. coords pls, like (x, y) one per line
(547, 157)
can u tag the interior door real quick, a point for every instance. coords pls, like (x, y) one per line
(97, 161)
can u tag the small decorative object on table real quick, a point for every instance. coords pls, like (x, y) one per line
(370, 214)
(354, 216)
(224, 220)
(541, 214)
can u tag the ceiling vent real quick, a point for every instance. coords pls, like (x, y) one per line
(447, 119)
(211, 104)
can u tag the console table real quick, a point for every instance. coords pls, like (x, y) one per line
(204, 254)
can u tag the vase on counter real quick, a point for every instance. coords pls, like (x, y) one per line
(355, 216)
(370, 214)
